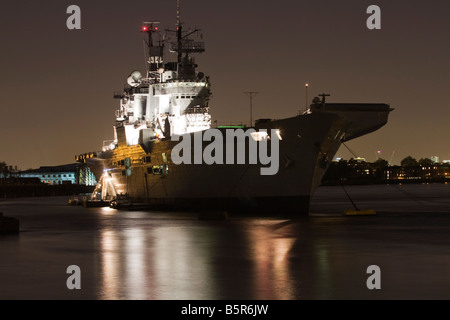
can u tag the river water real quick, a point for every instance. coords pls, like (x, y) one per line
(143, 255)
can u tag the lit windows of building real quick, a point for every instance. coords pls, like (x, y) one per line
(64, 174)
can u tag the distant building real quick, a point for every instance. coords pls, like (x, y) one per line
(74, 173)
(8, 171)
(356, 171)
(435, 159)
(434, 173)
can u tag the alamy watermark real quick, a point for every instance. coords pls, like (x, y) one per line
(374, 280)
(74, 20)
(374, 21)
(74, 280)
(252, 147)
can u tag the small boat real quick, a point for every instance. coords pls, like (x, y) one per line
(121, 201)
(74, 201)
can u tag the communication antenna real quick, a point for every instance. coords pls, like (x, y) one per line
(390, 160)
(178, 13)
(251, 94)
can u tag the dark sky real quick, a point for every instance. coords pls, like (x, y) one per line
(57, 84)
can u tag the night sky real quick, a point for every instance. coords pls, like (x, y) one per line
(57, 84)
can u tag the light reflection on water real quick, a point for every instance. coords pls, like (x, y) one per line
(175, 262)
(272, 276)
(180, 264)
(136, 266)
(162, 256)
(110, 265)
(154, 255)
(161, 263)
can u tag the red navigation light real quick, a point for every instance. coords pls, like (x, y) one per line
(144, 28)
(156, 28)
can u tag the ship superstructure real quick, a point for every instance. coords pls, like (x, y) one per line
(172, 98)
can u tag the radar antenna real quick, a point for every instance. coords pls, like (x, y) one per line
(323, 95)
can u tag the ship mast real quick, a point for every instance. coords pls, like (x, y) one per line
(155, 52)
(184, 44)
(179, 34)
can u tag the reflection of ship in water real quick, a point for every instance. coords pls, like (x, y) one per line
(172, 100)
(260, 259)
(185, 260)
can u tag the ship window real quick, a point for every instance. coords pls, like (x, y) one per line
(147, 159)
(183, 97)
(156, 170)
(149, 170)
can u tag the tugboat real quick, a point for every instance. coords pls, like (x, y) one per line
(165, 153)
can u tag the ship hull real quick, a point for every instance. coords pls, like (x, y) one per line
(307, 146)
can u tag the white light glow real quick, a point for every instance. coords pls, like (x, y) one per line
(259, 136)
(107, 211)
(277, 132)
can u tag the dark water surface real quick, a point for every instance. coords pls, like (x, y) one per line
(166, 256)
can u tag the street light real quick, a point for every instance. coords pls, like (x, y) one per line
(306, 101)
